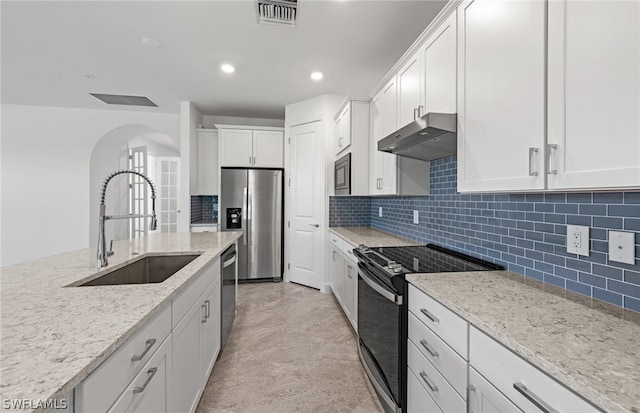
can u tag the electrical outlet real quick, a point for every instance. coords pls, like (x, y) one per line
(578, 239)
(622, 247)
(380, 212)
(416, 217)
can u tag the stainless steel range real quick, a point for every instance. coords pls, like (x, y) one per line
(382, 309)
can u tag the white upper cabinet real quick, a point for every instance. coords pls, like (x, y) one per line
(251, 147)
(501, 95)
(439, 73)
(343, 129)
(207, 162)
(268, 149)
(594, 94)
(409, 86)
(236, 147)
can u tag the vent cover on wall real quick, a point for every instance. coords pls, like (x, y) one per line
(280, 12)
(124, 100)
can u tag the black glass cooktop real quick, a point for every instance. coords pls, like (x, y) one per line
(424, 259)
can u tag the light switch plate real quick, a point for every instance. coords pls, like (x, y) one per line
(380, 212)
(416, 217)
(622, 247)
(578, 239)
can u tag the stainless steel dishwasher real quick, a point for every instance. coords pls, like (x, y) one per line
(228, 291)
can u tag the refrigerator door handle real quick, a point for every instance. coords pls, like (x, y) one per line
(249, 215)
(244, 214)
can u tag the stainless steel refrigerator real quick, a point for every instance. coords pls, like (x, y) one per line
(251, 201)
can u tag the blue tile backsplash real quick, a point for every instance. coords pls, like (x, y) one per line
(524, 232)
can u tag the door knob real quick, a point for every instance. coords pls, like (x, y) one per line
(314, 225)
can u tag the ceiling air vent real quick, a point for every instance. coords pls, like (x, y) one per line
(124, 100)
(278, 12)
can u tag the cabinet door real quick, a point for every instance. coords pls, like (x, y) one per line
(501, 95)
(409, 86)
(484, 398)
(375, 156)
(594, 94)
(439, 68)
(150, 390)
(236, 147)
(343, 130)
(339, 277)
(210, 331)
(389, 125)
(187, 380)
(333, 268)
(207, 162)
(350, 292)
(418, 400)
(268, 149)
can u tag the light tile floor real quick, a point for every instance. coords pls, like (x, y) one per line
(290, 350)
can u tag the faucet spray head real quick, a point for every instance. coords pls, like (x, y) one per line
(154, 223)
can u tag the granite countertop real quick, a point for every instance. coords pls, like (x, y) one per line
(204, 224)
(371, 237)
(53, 337)
(590, 346)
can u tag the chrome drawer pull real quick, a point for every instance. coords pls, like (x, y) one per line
(207, 309)
(537, 401)
(151, 372)
(432, 386)
(429, 349)
(429, 315)
(204, 307)
(149, 344)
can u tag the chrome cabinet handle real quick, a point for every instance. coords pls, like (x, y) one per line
(531, 152)
(424, 377)
(149, 344)
(429, 349)
(254, 160)
(420, 111)
(207, 309)
(416, 113)
(204, 307)
(349, 268)
(429, 315)
(551, 147)
(150, 373)
(537, 401)
(249, 159)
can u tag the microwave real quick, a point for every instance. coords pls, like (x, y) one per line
(342, 176)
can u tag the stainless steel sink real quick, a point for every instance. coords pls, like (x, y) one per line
(147, 270)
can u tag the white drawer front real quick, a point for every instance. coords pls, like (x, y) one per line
(445, 323)
(347, 250)
(448, 362)
(335, 240)
(418, 400)
(507, 371)
(183, 302)
(434, 384)
(147, 393)
(98, 391)
(483, 397)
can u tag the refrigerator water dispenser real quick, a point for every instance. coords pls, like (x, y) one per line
(234, 218)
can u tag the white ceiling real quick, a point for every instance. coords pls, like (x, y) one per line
(49, 47)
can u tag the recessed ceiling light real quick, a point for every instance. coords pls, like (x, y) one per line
(150, 41)
(317, 75)
(227, 68)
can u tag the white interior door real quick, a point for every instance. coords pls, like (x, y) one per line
(167, 197)
(306, 204)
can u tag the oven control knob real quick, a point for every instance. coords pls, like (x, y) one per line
(363, 248)
(395, 267)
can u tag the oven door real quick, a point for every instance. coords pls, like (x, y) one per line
(379, 324)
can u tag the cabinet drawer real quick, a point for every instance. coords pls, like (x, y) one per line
(450, 327)
(434, 384)
(183, 302)
(506, 371)
(148, 390)
(418, 400)
(448, 362)
(335, 240)
(347, 250)
(98, 391)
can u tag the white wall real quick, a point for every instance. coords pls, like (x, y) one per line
(190, 118)
(46, 152)
(209, 121)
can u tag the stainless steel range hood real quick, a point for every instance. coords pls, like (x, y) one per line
(432, 136)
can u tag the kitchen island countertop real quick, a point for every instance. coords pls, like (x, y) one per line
(53, 336)
(590, 346)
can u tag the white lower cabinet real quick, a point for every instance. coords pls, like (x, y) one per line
(150, 391)
(165, 365)
(418, 400)
(343, 277)
(484, 398)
